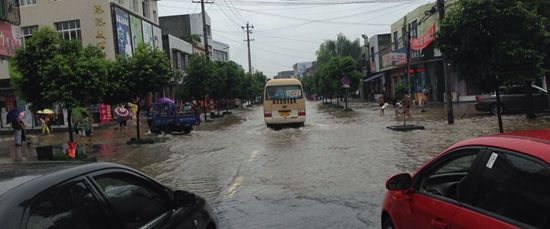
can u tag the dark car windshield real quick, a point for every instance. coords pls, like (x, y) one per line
(284, 92)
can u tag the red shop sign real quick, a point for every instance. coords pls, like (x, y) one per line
(419, 43)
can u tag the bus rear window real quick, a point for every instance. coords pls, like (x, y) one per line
(284, 92)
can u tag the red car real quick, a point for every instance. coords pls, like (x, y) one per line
(499, 181)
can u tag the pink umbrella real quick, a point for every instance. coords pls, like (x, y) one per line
(122, 112)
(21, 116)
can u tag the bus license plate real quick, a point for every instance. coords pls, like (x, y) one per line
(284, 113)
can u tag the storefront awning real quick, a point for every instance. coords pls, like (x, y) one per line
(376, 76)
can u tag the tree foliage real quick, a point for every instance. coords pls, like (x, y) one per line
(339, 47)
(328, 77)
(486, 39)
(54, 71)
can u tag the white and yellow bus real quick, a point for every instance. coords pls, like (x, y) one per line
(284, 102)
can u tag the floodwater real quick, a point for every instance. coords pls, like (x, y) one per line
(328, 174)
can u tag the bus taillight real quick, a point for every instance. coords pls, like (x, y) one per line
(267, 114)
(301, 113)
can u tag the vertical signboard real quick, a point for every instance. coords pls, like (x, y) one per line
(100, 23)
(157, 37)
(147, 33)
(137, 34)
(104, 113)
(123, 32)
(10, 39)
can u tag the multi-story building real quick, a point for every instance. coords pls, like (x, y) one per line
(378, 82)
(220, 51)
(300, 69)
(191, 24)
(426, 79)
(116, 26)
(284, 74)
(10, 37)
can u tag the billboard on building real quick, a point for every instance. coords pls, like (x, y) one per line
(157, 37)
(123, 32)
(147, 33)
(137, 34)
(10, 39)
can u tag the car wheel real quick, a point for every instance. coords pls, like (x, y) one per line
(494, 109)
(387, 224)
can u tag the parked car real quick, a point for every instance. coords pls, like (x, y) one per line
(94, 195)
(500, 181)
(512, 99)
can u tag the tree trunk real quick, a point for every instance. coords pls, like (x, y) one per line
(70, 124)
(499, 115)
(548, 87)
(218, 106)
(530, 101)
(204, 108)
(226, 106)
(138, 136)
(241, 100)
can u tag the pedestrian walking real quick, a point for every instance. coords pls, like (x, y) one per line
(87, 126)
(18, 127)
(383, 105)
(44, 124)
(406, 104)
(397, 107)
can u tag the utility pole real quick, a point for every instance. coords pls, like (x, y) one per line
(248, 28)
(206, 49)
(448, 95)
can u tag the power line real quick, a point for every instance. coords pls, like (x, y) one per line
(309, 20)
(236, 12)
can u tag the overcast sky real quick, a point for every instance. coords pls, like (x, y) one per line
(290, 31)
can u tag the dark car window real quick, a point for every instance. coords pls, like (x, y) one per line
(515, 91)
(68, 206)
(516, 188)
(448, 175)
(135, 200)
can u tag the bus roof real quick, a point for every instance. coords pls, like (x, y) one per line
(277, 82)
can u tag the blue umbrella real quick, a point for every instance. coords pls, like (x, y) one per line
(13, 114)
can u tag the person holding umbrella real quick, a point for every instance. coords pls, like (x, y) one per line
(123, 115)
(15, 117)
(44, 124)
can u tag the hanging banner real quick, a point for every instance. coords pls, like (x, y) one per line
(123, 32)
(157, 37)
(419, 43)
(10, 37)
(104, 113)
(137, 34)
(147, 33)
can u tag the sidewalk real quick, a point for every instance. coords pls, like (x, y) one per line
(55, 129)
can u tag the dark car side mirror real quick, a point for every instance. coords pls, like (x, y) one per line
(184, 198)
(399, 182)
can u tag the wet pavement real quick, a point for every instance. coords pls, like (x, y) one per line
(328, 174)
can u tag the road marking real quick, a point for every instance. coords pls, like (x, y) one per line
(234, 187)
(253, 155)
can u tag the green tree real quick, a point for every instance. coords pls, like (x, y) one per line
(194, 84)
(494, 43)
(328, 78)
(339, 47)
(216, 83)
(192, 38)
(148, 70)
(53, 71)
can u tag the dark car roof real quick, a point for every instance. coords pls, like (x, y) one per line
(531, 142)
(13, 175)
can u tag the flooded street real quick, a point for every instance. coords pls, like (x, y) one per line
(328, 174)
